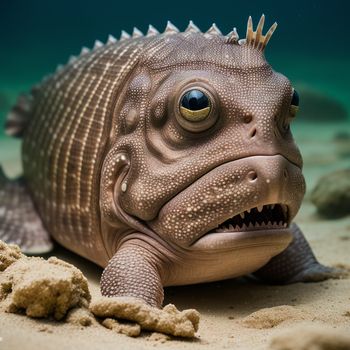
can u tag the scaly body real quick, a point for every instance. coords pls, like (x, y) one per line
(167, 158)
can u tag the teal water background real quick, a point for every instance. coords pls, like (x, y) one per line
(310, 46)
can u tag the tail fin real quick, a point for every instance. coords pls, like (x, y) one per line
(19, 116)
(19, 222)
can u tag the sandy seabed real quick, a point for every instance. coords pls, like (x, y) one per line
(235, 314)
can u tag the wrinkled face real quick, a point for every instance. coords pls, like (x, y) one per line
(211, 158)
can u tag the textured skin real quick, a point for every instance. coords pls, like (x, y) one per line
(295, 264)
(122, 275)
(118, 177)
(15, 204)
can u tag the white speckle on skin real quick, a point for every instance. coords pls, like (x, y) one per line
(124, 186)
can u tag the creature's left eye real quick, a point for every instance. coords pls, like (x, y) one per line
(195, 105)
(295, 99)
(294, 103)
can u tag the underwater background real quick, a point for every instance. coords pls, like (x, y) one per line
(311, 47)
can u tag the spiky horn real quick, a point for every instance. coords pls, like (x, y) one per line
(256, 38)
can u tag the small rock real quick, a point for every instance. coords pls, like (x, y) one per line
(331, 195)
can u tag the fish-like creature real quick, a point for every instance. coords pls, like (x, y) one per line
(165, 158)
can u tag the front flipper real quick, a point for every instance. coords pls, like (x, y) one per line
(19, 222)
(134, 271)
(296, 264)
(133, 283)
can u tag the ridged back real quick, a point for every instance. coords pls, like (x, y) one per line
(64, 144)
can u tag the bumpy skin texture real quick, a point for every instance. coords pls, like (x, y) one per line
(118, 175)
(134, 262)
(296, 264)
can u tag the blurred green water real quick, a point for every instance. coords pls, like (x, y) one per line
(308, 47)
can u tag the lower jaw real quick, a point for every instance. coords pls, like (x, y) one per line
(224, 241)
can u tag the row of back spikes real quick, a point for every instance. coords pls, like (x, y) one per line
(253, 38)
(152, 31)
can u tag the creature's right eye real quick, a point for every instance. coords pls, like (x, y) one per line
(196, 109)
(195, 105)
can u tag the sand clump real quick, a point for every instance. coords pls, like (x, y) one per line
(129, 329)
(53, 288)
(169, 320)
(81, 317)
(158, 337)
(309, 337)
(272, 317)
(43, 288)
(9, 253)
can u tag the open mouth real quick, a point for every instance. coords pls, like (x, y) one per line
(264, 217)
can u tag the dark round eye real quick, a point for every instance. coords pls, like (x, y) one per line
(195, 105)
(295, 99)
(195, 100)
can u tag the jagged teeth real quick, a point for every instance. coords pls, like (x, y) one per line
(248, 219)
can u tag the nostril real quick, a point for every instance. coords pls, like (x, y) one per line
(247, 118)
(252, 176)
(285, 173)
(253, 132)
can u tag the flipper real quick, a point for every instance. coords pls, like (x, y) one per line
(19, 222)
(296, 264)
(19, 116)
(134, 271)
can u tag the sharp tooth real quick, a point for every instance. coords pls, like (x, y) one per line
(274, 223)
(242, 215)
(285, 224)
(272, 206)
(230, 227)
(269, 223)
(280, 223)
(250, 225)
(248, 210)
(244, 227)
(260, 208)
(284, 208)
